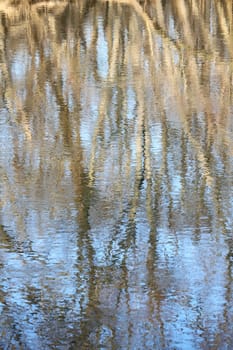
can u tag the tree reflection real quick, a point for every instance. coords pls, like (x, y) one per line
(116, 191)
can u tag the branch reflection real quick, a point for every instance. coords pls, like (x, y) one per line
(116, 174)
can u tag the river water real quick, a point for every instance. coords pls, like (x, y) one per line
(116, 174)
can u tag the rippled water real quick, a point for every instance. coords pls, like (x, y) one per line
(116, 168)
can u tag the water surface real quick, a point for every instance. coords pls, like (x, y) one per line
(116, 168)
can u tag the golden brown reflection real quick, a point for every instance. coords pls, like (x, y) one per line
(116, 174)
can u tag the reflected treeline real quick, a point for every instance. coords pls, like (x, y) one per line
(116, 174)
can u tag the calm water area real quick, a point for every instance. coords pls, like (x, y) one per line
(116, 175)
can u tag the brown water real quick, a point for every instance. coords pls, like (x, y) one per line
(116, 168)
